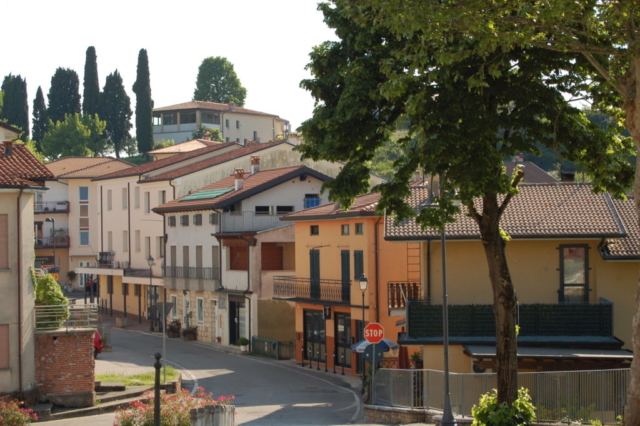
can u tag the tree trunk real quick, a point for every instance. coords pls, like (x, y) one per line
(504, 301)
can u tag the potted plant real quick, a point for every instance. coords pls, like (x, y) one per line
(244, 344)
(173, 328)
(190, 333)
(218, 339)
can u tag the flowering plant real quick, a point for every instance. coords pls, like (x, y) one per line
(174, 408)
(12, 415)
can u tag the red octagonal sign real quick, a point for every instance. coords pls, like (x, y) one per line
(373, 332)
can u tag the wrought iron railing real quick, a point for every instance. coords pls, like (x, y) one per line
(51, 207)
(287, 287)
(425, 321)
(192, 272)
(54, 317)
(105, 259)
(250, 222)
(59, 241)
(397, 291)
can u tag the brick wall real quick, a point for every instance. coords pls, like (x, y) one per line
(64, 363)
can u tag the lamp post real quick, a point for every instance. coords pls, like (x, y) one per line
(53, 237)
(150, 262)
(364, 282)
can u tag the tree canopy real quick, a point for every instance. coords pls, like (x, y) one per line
(77, 135)
(15, 108)
(144, 104)
(91, 94)
(64, 95)
(116, 111)
(216, 135)
(217, 81)
(40, 120)
(374, 78)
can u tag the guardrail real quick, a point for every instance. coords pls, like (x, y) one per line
(55, 317)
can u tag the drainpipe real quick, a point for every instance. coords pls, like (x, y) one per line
(249, 285)
(129, 219)
(101, 223)
(429, 271)
(19, 247)
(377, 266)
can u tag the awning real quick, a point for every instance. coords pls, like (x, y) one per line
(477, 351)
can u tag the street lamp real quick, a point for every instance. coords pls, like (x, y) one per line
(150, 262)
(364, 282)
(53, 237)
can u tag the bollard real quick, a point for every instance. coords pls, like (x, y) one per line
(156, 399)
(334, 363)
(326, 362)
(343, 364)
(302, 350)
(318, 355)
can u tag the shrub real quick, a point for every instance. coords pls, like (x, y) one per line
(489, 413)
(174, 408)
(243, 341)
(12, 415)
(49, 293)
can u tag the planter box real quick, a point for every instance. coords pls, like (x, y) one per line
(190, 336)
(173, 334)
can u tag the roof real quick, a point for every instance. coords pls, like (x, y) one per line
(213, 161)
(187, 146)
(86, 167)
(562, 210)
(21, 169)
(164, 162)
(532, 173)
(221, 194)
(363, 205)
(554, 353)
(211, 106)
(627, 248)
(9, 127)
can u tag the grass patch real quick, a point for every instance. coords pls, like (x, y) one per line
(144, 379)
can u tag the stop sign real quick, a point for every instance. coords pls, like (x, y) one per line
(373, 332)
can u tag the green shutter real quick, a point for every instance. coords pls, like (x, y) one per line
(358, 264)
(346, 271)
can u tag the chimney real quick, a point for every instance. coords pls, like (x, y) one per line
(207, 136)
(239, 174)
(8, 148)
(232, 105)
(255, 164)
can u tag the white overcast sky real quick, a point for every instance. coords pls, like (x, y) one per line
(268, 41)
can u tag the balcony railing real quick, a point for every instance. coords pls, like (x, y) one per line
(250, 222)
(307, 289)
(54, 317)
(192, 272)
(397, 291)
(51, 207)
(59, 241)
(105, 259)
(535, 320)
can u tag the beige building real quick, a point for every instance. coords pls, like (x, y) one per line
(21, 177)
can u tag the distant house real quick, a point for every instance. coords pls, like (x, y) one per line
(236, 124)
(21, 177)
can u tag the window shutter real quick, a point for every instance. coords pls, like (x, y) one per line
(358, 264)
(346, 271)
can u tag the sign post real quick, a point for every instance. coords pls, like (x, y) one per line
(373, 333)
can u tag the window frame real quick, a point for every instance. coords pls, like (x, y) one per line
(359, 228)
(562, 296)
(345, 229)
(200, 310)
(314, 230)
(184, 220)
(171, 221)
(197, 219)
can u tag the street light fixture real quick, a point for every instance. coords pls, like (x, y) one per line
(150, 262)
(53, 237)
(364, 282)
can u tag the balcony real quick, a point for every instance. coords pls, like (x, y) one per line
(238, 222)
(547, 322)
(59, 241)
(51, 207)
(191, 278)
(399, 291)
(308, 290)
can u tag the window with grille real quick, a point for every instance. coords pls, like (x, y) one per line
(184, 220)
(197, 219)
(213, 218)
(171, 221)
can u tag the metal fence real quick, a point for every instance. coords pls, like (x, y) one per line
(272, 348)
(557, 396)
(54, 317)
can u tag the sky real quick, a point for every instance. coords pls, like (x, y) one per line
(268, 42)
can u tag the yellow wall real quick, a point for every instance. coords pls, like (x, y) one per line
(433, 359)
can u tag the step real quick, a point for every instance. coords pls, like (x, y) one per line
(110, 387)
(43, 411)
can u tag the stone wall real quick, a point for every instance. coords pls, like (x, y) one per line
(65, 367)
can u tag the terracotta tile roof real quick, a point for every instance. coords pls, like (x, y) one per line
(21, 168)
(539, 211)
(211, 106)
(184, 146)
(86, 167)
(253, 184)
(627, 247)
(532, 173)
(363, 205)
(154, 165)
(191, 168)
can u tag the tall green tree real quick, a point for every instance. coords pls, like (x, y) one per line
(116, 111)
(40, 120)
(217, 81)
(144, 104)
(91, 94)
(64, 95)
(369, 81)
(15, 108)
(77, 135)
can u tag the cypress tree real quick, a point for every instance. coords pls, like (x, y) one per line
(40, 120)
(144, 104)
(116, 111)
(15, 108)
(91, 94)
(64, 94)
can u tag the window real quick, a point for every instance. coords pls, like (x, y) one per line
(226, 123)
(284, 209)
(136, 197)
(237, 124)
(197, 219)
(84, 238)
(84, 215)
(125, 198)
(157, 119)
(215, 262)
(345, 229)
(184, 220)
(255, 135)
(358, 264)
(174, 308)
(125, 241)
(263, 210)
(109, 199)
(311, 200)
(109, 241)
(186, 311)
(137, 241)
(213, 218)
(147, 247)
(4, 241)
(147, 202)
(200, 310)
(125, 289)
(162, 197)
(314, 336)
(226, 139)
(359, 228)
(187, 117)
(343, 339)
(238, 140)
(315, 229)
(171, 221)
(210, 118)
(169, 118)
(574, 273)
(160, 247)
(84, 193)
(5, 347)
